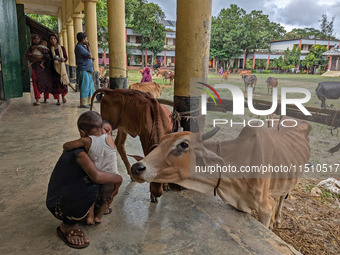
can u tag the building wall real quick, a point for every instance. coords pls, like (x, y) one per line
(9, 48)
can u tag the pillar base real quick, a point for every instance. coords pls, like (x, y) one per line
(191, 105)
(118, 83)
(95, 77)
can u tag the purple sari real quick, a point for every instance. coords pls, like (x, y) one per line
(146, 75)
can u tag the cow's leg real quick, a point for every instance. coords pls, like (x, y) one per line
(156, 190)
(277, 218)
(323, 101)
(120, 144)
(266, 211)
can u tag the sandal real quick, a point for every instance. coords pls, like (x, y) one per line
(64, 100)
(36, 103)
(75, 232)
(58, 103)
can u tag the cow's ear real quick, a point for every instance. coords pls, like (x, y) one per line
(207, 157)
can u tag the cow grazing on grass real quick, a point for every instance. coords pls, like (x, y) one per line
(138, 114)
(177, 156)
(225, 75)
(249, 80)
(271, 83)
(329, 90)
(151, 87)
(169, 75)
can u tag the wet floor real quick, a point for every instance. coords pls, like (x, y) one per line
(183, 222)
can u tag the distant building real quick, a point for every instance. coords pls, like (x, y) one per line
(133, 39)
(278, 48)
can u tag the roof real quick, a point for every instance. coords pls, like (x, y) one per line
(297, 39)
(332, 52)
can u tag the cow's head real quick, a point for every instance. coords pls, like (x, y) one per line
(170, 161)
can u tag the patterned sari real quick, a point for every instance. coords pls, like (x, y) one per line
(86, 86)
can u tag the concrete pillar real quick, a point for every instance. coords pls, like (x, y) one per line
(77, 24)
(71, 55)
(117, 42)
(268, 61)
(192, 55)
(61, 38)
(244, 60)
(91, 32)
(65, 40)
(164, 61)
(254, 58)
(329, 63)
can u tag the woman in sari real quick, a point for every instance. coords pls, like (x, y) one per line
(59, 74)
(146, 75)
(41, 75)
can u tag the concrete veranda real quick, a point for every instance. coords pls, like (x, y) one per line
(183, 222)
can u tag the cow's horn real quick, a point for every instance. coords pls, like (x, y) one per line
(209, 134)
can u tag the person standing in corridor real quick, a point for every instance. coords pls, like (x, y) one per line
(84, 61)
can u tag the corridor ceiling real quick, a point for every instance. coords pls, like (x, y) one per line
(47, 7)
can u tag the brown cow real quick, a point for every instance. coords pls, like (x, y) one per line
(161, 71)
(151, 87)
(169, 75)
(225, 75)
(138, 114)
(244, 72)
(176, 158)
(271, 83)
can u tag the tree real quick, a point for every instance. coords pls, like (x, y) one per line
(327, 27)
(48, 21)
(287, 57)
(315, 57)
(234, 31)
(147, 22)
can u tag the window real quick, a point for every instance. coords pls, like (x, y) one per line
(138, 39)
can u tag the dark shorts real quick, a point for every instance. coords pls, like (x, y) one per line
(72, 207)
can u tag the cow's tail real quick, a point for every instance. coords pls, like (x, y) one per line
(102, 90)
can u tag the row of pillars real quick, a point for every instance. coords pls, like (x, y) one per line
(116, 27)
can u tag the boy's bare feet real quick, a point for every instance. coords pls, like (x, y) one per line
(90, 217)
(97, 220)
(73, 236)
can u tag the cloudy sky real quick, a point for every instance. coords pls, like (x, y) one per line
(289, 13)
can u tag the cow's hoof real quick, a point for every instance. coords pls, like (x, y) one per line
(154, 200)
